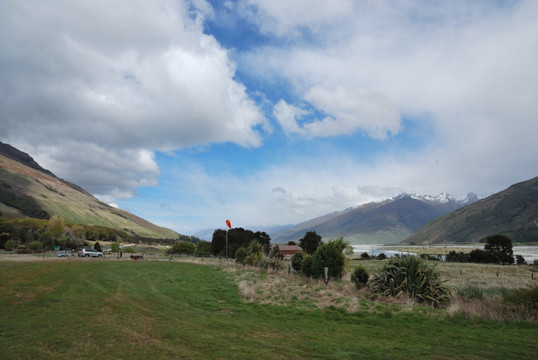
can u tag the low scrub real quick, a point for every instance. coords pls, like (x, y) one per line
(360, 277)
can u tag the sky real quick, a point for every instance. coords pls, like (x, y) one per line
(269, 112)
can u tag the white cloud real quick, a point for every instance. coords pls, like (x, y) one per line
(129, 77)
(287, 116)
(467, 69)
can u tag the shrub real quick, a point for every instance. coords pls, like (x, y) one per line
(297, 261)
(480, 256)
(520, 260)
(454, 256)
(381, 256)
(365, 256)
(35, 245)
(275, 253)
(10, 245)
(308, 266)
(413, 277)
(128, 249)
(241, 255)
(330, 255)
(360, 277)
(254, 253)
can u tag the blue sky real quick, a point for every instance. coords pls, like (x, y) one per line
(269, 112)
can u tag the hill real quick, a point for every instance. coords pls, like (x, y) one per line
(26, 189)
(512, 212)
(387, 222)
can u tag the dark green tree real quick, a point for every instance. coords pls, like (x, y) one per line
(237, 237)
(500, 248)
(182, 247)
(310, 242)
(203, 248)
(297, 261)
(330, 255)
(97, 246)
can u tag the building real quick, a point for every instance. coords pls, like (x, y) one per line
(288, 251)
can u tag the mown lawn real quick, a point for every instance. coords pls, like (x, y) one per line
(169, 310)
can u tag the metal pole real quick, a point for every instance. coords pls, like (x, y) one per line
(226, 244)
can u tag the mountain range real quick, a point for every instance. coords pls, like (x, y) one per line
(385, 222)
(512, 212)
(27, 189)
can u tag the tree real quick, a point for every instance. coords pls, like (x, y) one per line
(480, 256)
(237, 237)
(310, 242)
(97, 246)
(203, 248)
(115, 247)
(78, 231)
(297, 261)
(56, 226)
(182, 247)
(46, 238)
(500, 248)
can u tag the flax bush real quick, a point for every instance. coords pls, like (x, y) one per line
(411, 276)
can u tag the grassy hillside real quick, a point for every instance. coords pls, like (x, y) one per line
(167, 310)
(51, 195)
(512, 212)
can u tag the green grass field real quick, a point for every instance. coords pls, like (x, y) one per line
(168, 310)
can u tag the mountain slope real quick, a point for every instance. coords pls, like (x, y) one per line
(512, 212)
(26, 189)
(389, 221)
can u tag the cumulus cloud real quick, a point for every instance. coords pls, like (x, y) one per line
(126, 79)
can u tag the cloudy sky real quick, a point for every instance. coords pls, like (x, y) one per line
(188, 113)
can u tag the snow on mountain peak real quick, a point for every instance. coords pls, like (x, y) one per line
(442, 198)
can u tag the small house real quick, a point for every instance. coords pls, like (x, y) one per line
(288, 251)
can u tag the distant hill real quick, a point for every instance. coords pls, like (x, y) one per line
(512, 212)
(387, 222)
(26, 189)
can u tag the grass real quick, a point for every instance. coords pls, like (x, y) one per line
(78, 309)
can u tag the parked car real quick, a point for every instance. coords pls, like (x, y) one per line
(90, 253)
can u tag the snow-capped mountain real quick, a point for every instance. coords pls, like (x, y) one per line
(388, 221)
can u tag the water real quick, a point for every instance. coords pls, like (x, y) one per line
(530, 253)
(376, 249)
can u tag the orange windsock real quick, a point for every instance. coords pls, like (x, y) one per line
(229, 223)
